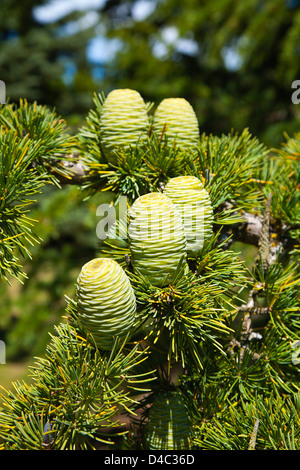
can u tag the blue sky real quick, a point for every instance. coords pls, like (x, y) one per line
(56, 9)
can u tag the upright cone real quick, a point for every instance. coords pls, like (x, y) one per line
(124, 122)
(176, 118)
(169, 426)
(193, 203)
(156, 237)
(106, 301)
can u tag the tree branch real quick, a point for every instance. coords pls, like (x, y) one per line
(76, 171)
(248, 231)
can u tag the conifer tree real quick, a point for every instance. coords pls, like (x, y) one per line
(161, 347)
(45, 60)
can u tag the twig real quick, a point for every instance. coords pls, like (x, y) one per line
(76, 171)
(264, 239)
(253, 436)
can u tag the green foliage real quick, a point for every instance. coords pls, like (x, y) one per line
(43, 127)
(285, 173)
(72, 370)
(231, 165)
(32, 142)
(65, 226)
(18, 183)
(266, 423)
(182, 319)
(222, 333)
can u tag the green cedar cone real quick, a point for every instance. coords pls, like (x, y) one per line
(156, 236)
(124, 122)
(193, 203)
(168, 426)
(175, 118)
(106, 301)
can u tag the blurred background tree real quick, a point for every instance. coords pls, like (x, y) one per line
(233, 61)
(46, 61)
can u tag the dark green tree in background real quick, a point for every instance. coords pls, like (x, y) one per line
(35, 57)
(235, 61)
(222, 56)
